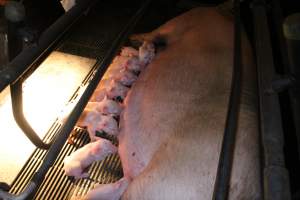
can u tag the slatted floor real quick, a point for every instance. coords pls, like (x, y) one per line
(106, 171)
(91, 38)
(58, 186)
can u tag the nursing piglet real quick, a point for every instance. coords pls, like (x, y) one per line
(174, 117)
(78, 161)
(172, 126)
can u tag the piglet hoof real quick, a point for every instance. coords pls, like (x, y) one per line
(112, 191)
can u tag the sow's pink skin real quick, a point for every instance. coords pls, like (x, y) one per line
(125, 77)
(76, 163)
(174, 115)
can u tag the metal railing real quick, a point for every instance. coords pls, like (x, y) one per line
(25, 63)
(222, 183)
(275, 175)
(68, 126)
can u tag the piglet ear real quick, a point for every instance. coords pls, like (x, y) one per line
(105, 109)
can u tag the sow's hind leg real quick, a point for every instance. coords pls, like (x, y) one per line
(111, 191)
(185, 166)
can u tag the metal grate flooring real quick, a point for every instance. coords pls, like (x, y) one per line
(58, 186)
(91, 37)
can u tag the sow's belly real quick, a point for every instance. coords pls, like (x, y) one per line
(174, 120)
(162, 99)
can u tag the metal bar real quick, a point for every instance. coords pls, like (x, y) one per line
(15, 41)
(222, 183)
(276, 179)
(17, 103)
(292, 42)
(72, 119)
(24, 61)
(17, 107)
(3, 41)
(17, 100)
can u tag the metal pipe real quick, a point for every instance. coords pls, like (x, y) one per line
(15, 15)
(292, 35)
(3, 41)
(23, 62)
(276, 179)
(17, 107)
(222, 183)
(63, 134)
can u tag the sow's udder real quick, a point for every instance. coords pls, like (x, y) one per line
(173, 122)
(161, 98)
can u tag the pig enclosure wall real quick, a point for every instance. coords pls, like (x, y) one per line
(158, 13)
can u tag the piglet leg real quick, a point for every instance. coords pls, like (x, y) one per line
(78, 161)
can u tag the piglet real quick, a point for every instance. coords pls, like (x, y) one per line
(106, 107)
(129, 52)
(126, 78)
(133, 64)
(116, 90)
(95, 121)
(98, 95)
(120, 62)
(78, 161)
(146, 53)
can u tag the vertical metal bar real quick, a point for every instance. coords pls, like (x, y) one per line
(3, 41)
(15, 42)
(292, 35)
(30, 55)
(276, 179)
(17, 107)
(222, 183)
(15, 46)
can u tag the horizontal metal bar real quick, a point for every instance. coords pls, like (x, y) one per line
(276, 179)
(63, 134)
(23, 62)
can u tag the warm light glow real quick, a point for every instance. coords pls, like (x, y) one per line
(46, 92)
